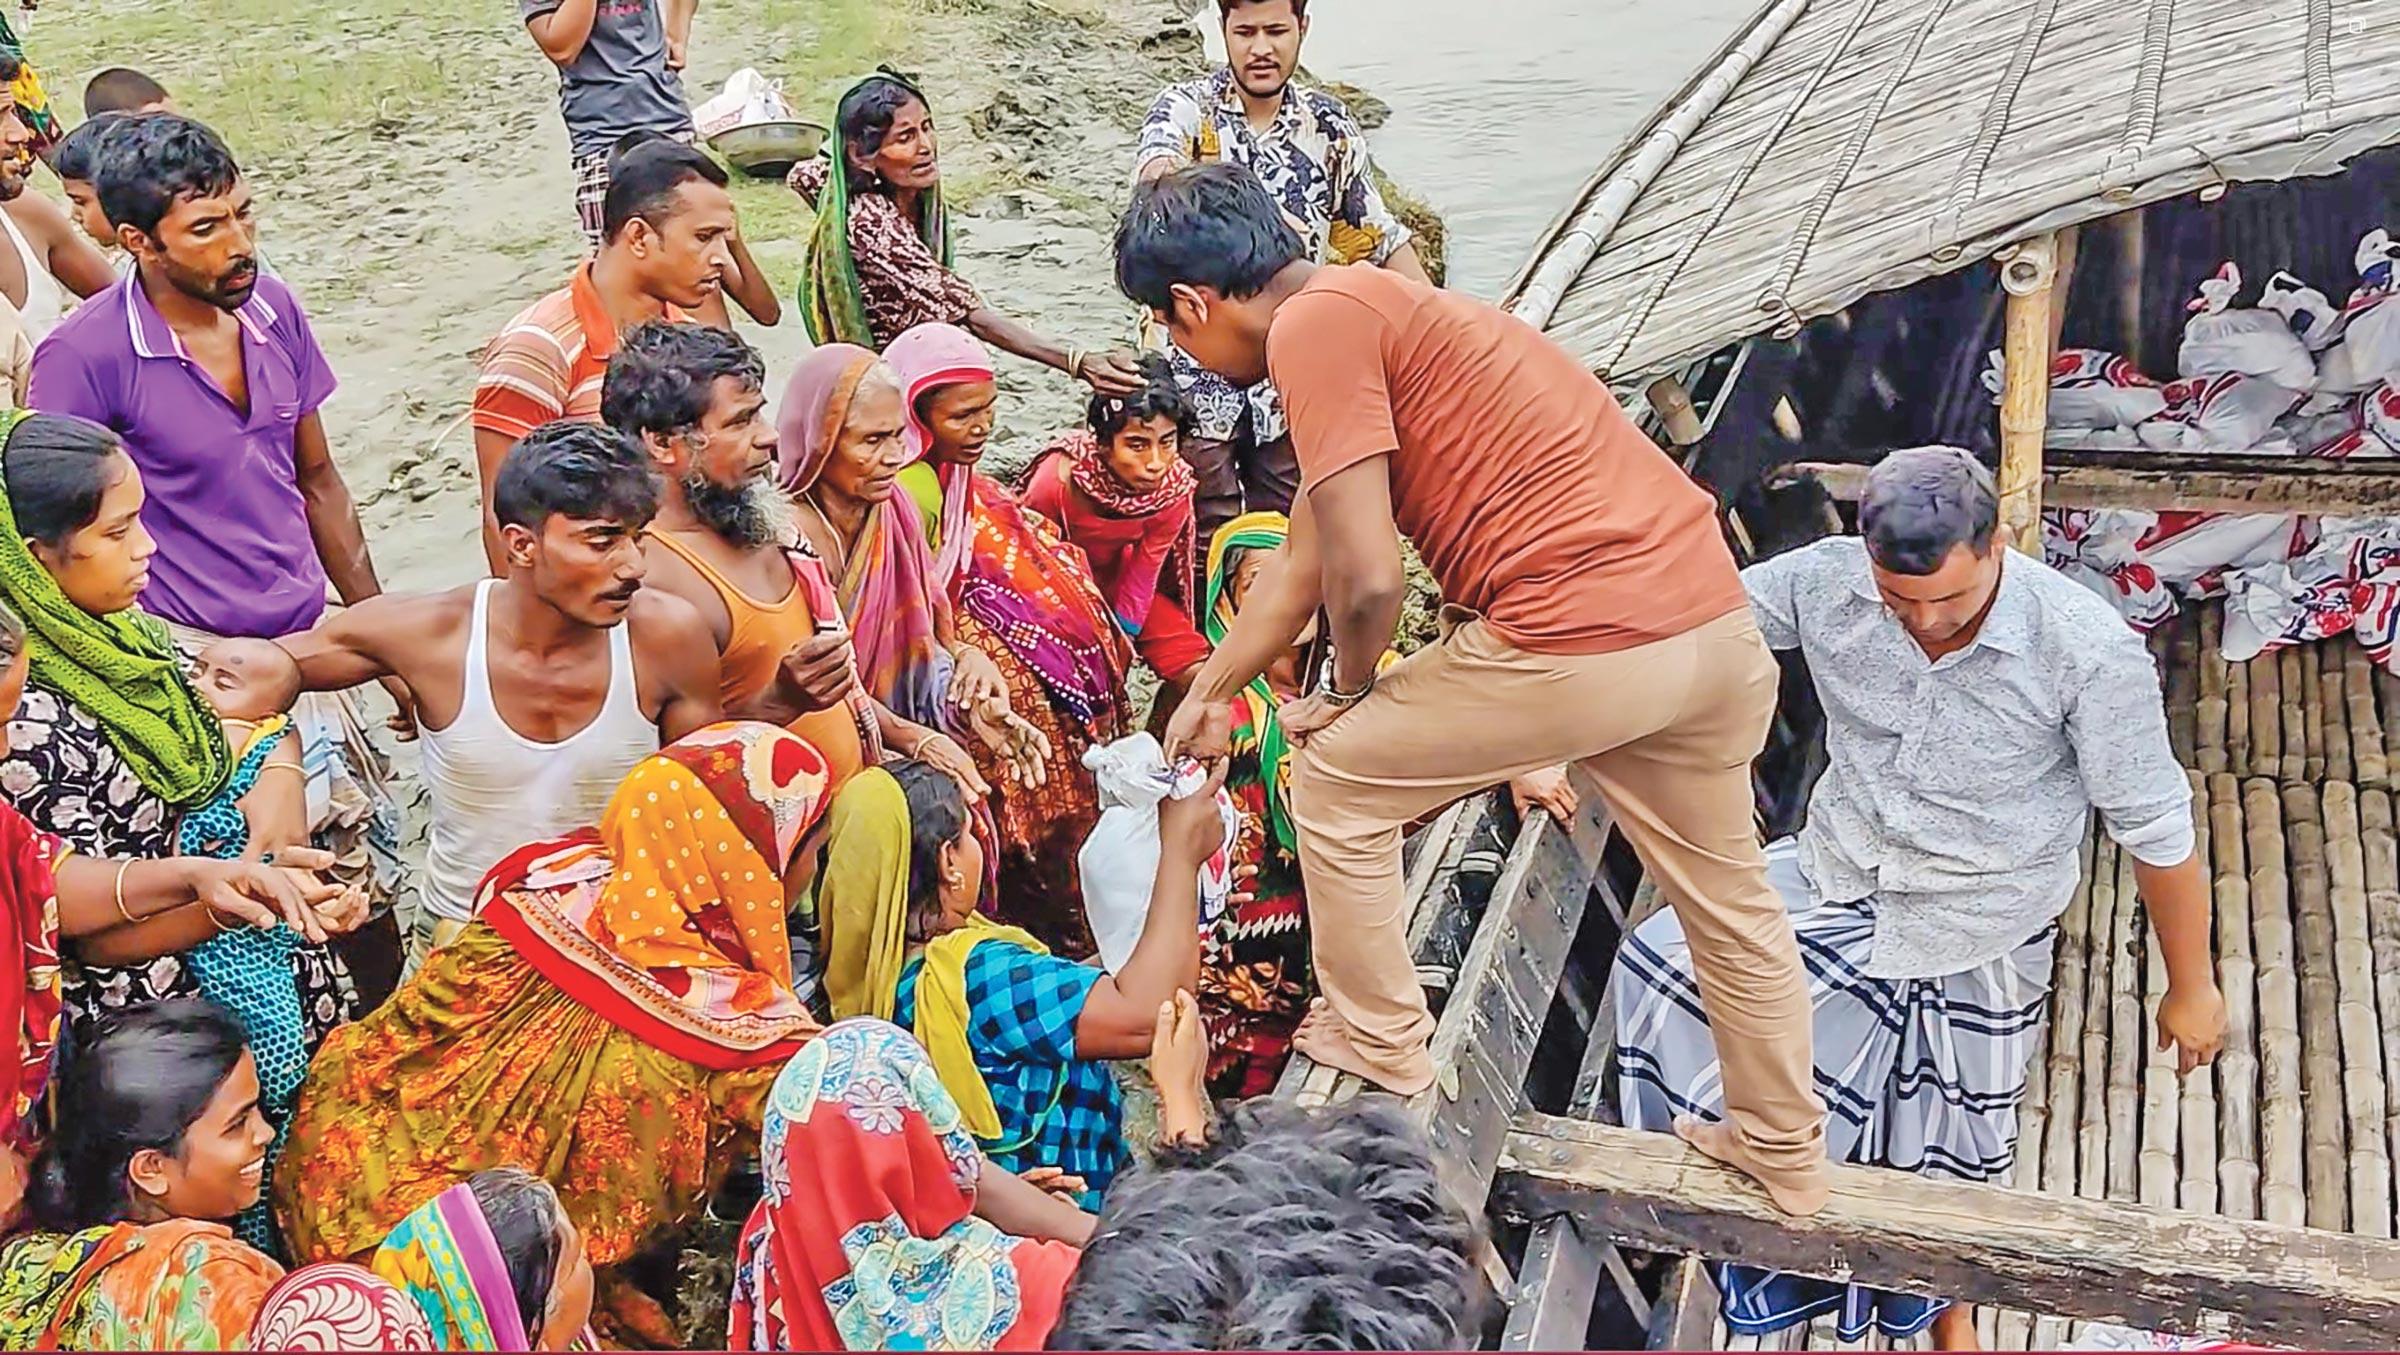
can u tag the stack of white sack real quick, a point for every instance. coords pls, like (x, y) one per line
(2147, 563)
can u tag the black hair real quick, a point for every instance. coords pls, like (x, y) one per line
(587, 471)
(864, 119)
(1203, 226)
(57, 468)
(1299, 1229)
(119, 90)
(153, 161)
(1225, 8)
(526, 1219)
(1157, 397)
(1922, 503)
(11, 66)
(639, 136)
(77, 155)
(139, 1081)
(643, 179)
(660, 377)
(937, 814)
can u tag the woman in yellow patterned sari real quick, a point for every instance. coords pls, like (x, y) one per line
(611, 1021)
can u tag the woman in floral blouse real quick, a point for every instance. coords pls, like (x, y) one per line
(880, 257)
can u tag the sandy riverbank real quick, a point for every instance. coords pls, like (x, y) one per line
(412, 173)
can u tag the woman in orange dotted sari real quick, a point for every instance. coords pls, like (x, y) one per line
(612, 1020)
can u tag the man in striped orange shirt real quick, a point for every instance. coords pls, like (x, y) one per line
(669, 227)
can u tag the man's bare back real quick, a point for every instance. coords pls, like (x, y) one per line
(544, 693)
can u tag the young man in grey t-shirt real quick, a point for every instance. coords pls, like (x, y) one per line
(618, 64)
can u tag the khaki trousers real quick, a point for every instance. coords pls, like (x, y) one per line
(1668, 730)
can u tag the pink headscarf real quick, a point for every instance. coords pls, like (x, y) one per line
(816, 401)
(928, 358)
(886, 589)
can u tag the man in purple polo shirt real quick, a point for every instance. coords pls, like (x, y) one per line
(209, 372)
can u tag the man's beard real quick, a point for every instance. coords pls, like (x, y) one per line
(751, 514)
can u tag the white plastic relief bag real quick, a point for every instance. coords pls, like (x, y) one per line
(1119, 861)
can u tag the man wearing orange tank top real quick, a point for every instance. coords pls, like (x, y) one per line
(694, 397)
(1595, 616)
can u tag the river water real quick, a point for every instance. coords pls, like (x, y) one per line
(1501, 109)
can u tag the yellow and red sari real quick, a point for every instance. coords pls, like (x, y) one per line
(612, 1021)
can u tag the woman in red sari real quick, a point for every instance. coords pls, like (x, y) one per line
(1026, 600)
(1119, 491)
(882, 1227)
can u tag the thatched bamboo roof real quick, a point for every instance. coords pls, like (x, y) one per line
(1834, 148)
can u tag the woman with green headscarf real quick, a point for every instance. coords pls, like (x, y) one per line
(111, 744)
(880, 258)
(1254, 980)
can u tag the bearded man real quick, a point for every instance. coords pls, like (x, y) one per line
(693, 396)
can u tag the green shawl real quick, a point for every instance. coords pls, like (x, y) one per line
(832, 303)
(1261, 733)
(121, 669)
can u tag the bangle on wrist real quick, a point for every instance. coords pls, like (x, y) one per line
(1338, 697)
(122, 867)
(218, 922)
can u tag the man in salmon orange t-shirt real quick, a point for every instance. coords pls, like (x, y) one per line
(1601, 621)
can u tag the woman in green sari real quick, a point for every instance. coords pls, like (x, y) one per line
(881, 257)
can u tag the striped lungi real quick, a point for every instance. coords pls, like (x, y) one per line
(1923, 1075)
(591, 189)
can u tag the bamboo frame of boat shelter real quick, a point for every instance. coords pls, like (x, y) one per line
(2031, 272)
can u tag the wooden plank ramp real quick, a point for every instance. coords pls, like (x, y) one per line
(2096, 1259)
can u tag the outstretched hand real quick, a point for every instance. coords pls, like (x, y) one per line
(263, 895)
(1201, 729)
(1024, 748)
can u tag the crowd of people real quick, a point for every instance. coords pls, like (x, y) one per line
(756, 767)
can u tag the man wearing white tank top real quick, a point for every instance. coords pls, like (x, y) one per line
(537, 691)
(46, 266)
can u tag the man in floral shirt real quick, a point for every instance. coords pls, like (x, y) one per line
(1312, 157)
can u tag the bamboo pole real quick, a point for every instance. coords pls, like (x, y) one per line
(2029, 276)
(2208, 713)
(2176, 645)
(2237, 975)
(2381, 849)
(2292, 682)
(2266, 716)
(2091, 1142)
(2194, 1137)
(2125, 1041)
(2239, 748)
(2066, 1029)
(2324, 1135)
(2162, 1090)
(2309, 660)
(2281, 1197)
(2334, 704)
(2366, 726)
(2361, 1052)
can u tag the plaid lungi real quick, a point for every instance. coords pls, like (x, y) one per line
(1923, 1075)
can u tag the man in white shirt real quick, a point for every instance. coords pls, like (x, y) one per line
(1978, 707)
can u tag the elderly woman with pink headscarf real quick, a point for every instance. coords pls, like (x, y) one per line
(841, 454)
(1021, 596)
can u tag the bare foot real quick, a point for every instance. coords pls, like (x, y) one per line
(1325, 1038)
(1954, 1328)
(1718, 1140)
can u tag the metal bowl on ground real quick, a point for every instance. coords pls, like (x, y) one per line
(768, 150)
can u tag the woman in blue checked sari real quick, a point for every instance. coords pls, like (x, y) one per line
(1020, 1037)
